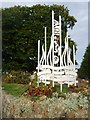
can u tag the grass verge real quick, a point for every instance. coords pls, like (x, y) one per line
(15, 89)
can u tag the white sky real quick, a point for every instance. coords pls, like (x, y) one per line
(77, 9)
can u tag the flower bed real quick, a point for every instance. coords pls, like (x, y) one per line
(74, 106)
(37, 92)
(48, 102)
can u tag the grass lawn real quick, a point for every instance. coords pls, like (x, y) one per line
(15, 89)
(64, 88)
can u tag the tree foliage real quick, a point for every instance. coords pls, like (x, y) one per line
(84, 71)
(23, 26)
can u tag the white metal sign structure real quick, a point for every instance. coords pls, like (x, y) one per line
(56, 64)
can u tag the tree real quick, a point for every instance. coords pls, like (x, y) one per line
(22, 27)
(84, 71)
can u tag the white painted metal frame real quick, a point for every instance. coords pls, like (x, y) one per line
(56, 65)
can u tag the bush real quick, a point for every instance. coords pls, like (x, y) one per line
(39, 91)
(19, 77)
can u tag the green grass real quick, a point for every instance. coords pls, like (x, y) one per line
(15, 89)
(64, 88)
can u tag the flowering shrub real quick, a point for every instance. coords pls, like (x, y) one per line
(43, 90)
(19, 77)
(75, 101)
(39, 91)
(82, 87)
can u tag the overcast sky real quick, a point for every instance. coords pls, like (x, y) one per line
(77, 9)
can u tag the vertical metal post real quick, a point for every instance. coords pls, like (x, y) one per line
(74, 62)
(61, 86)
(67, 48)
(60, 38)
(74, 56)
(53, 42)
(45, 52)
(67, 51)
(38, 59)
